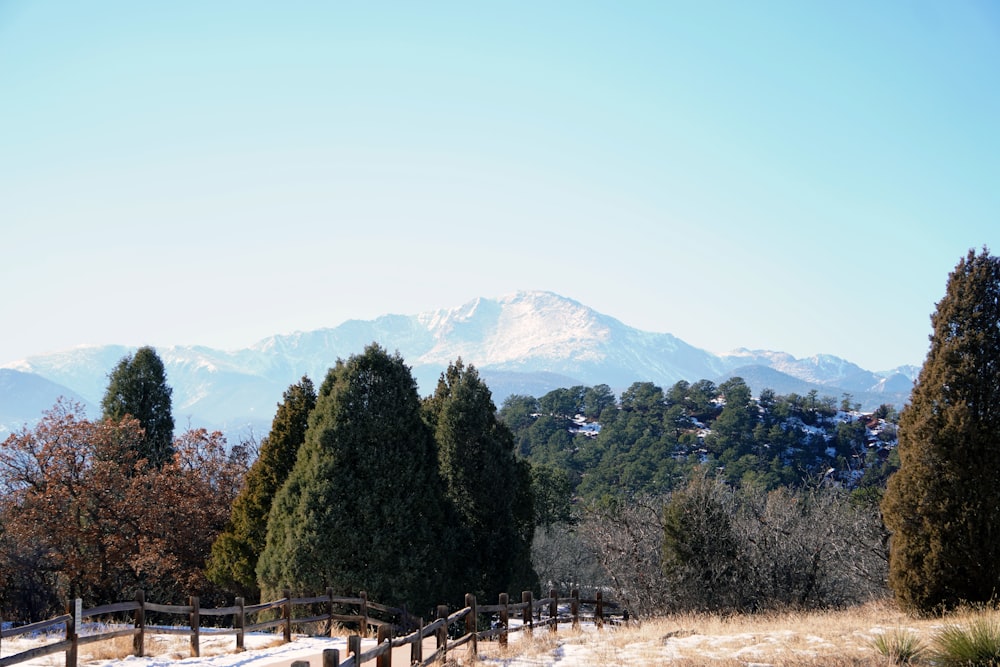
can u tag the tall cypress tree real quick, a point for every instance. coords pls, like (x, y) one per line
(235, 552)
(362, 508)
(138, 387)
(489, 488)
(942, 506)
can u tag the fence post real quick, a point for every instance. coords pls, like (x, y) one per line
(504, 619)
(471, 624)
(417, 649)
(195, 630)
(599, 610)
(73, 632)
(528, 614)
(329, 594)
(363, 629)
(574, 607)
(138, 640)
(354, 647)
(240, 621)
(286, 615)
(382, 635)
(331, 657)
(442, 633)
(553, 611)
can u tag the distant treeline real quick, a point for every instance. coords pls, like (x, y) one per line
(651, 440)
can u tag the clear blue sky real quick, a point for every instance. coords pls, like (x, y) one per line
(796, 176)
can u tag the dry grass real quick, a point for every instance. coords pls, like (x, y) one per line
(118, 648)
(523, 644)
(170, 646)
(842, 638)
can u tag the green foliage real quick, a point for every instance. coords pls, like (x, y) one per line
(563, 402)
(363, 508)
(899, 647)
(138, 387)
(489, 488)
(552, 492)
(941, 506)
(596, 400)
(977, 645)
(518, 414)
(653, 441)
(235, 553)
(732, 435)
(700, 545)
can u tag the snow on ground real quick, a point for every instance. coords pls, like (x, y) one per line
(568, 648)
(173, 651)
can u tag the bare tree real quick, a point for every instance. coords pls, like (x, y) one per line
(628, 537)
(565, 560)
(710, 547)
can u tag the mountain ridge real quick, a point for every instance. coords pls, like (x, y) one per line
(525, 342)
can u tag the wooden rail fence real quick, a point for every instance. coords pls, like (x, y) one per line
(546, 612)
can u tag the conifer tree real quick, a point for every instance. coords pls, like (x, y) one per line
(235, 552)
(138, 387)
(362, 508)
(487, 485)
(941, 507)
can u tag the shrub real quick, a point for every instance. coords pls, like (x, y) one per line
(900, 647)
(977, 645)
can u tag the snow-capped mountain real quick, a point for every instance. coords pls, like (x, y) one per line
(25, 396)
(824, 370)
(525, 343)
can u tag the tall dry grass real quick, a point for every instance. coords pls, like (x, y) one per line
(836, 638)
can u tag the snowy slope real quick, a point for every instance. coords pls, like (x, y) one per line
(529, 342)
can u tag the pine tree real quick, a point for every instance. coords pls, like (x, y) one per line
(488, 486)
(362, 508)
(138, 387)
(942, 506)
(235, 553)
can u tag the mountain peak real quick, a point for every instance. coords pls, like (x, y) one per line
(529, 341)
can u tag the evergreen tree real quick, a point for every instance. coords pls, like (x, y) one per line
(941, 506)
(489, 488)
(362, 508)
(138, 387)
(597, 399)
(700, 541)
(732, 438)
(235, 553)
(732, 430)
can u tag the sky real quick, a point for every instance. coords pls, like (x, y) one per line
(794, 176)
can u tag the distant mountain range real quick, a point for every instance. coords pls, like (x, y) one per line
(525, 343)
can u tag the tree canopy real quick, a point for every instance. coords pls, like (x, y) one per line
(489, 488)
(81, 516)
(362, 508)
(137, 387)
(236, 551)
(941, 506)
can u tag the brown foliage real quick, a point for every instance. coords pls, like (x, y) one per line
(82, 516)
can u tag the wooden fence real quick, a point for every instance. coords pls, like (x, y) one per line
(546, 612)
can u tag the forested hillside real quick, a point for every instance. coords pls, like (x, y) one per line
(650, 440)
(704, 497)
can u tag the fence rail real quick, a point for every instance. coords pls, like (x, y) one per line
(544, 612)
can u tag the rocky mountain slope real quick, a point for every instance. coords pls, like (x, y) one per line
(526, 343)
